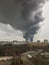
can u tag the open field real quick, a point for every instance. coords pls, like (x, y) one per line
(24, 54)
(5, 58)
(37, 57)
(5, 62)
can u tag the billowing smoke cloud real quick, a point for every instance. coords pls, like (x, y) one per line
(23, 15)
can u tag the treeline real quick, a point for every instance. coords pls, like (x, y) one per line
(9, 49)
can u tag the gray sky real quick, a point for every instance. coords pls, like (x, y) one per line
(43, 32)
(8, 33)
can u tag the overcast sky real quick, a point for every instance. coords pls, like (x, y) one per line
(8, 33)
(43, 32)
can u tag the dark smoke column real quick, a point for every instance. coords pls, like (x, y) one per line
(24, 15)
(32, 15)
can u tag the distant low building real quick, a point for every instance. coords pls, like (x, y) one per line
(45, 41)
(38, 41)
